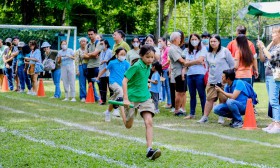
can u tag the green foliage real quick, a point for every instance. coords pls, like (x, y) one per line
(134, 17)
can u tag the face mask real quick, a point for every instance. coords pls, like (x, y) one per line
(135, 45)
(122, 58)
(194, 43)
(159, 45)
(205, 41)
(64, 47)
(102, 47)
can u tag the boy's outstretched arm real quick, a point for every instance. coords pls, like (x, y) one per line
(126, 102)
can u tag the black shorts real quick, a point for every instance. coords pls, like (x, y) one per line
(1, 71)
(92, 73)
(180, 85)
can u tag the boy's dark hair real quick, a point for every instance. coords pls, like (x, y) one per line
(241, 30)
(118, 50)
(121, 33)
(106, 42)
(92, 29)
(145, 49)
(229, 73)
(216, 36)
(158, 67)
(205, 34)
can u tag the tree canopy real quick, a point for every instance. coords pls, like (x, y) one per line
(133, 17)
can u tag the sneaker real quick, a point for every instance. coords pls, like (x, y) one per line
(107, 116)
(221, 120)
(29, 92)
(116, 113)
(237, 124)
(157, 111)
(66, 99)
(268, 127)
(33, 93)
(73, 99)
(274, 130)
(190, 117)
(203, 119)
(182, 110)
(153, 154)
(83, 100)
(167, 107)
(179, 113)
(21, 91)
(172, 110)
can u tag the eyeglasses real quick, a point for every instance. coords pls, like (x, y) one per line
(90, 34)
(135, 41)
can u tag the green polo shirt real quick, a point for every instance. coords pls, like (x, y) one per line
(121, 44)
(137, 85)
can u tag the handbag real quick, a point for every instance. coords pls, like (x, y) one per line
(276, 73)
(31, 69)
(205, 79)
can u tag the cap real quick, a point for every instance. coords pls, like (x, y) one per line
(8, 40)
(45, 44)
(21, 44)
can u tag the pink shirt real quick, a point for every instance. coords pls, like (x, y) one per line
(164, 58)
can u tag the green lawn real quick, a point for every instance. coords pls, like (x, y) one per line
(42, 132)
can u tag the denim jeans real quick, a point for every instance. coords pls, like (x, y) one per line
(196, 82)
(21, 75)
(27, 80)
(9, 74)
(83, 80)
(155, 97)
(93, 73)
(232, 109)
(272, 87)
(56, 74)
(166, 87)
(249, 80)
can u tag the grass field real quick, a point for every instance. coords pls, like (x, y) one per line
(42, 132)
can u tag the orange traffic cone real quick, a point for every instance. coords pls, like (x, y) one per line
(90, 94)
(5, 87)
(249, 120)
(41, 90)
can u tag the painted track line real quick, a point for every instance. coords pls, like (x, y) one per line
(135, 139)
(160, 126)
(220, 136)
(64, 147)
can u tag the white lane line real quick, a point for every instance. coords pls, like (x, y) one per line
(140, 140)
(55, 105)
(232, 138)
(220, 136)
(69, 148)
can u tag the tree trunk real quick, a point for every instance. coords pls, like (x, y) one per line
(27, 10)
(167, 18)
(162, 5)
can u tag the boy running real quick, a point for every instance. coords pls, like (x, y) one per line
(135, 89)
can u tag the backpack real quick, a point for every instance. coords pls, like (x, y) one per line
(252, 94)
(48, 64)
